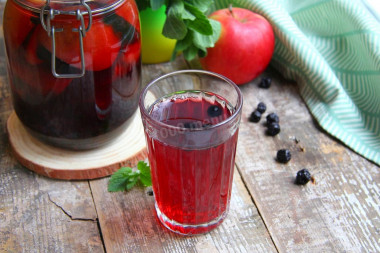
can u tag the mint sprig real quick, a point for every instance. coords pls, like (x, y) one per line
(186, 22)
(125, 178)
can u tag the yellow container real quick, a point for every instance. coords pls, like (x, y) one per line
(156, 47)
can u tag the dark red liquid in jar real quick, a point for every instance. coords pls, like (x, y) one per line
(192, 186)
(74, 108)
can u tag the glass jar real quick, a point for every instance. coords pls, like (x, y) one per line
(74, 68)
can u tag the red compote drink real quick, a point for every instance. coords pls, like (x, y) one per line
(50, 96)
(191, 182)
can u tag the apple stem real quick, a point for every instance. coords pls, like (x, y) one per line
(230, 9)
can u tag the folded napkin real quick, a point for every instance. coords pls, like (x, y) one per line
(332, 49)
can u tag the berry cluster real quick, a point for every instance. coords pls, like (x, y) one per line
(256, 114)
(273, 128)
(273, 121)
(265, 83)
(273, 124)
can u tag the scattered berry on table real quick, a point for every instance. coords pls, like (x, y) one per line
(255, 116)
(149, 192)
(261, 107)
(283, 156)
(273, 129)
(265, 82)
(214, 111)
(303, 177)
(272, 117)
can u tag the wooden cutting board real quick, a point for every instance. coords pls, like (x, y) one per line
(125, 150)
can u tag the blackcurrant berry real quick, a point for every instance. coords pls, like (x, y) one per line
(303, 177)
(214, 111)
(265, 82)
(283, 156)
(272, 117)
(261, 107)
(273, 129)
(255, 116)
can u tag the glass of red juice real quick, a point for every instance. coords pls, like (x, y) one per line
(191, 120)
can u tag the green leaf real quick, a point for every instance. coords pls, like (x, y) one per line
(119, 179)
(182, 45)
(187, 15)
(190, 52)
(203, 41)
(145, 176)
(175, 27)
(187, 23)
(201, 24)
(176, 7)
(132, 181)
(156, 4)
(185, 42)
(202, 5)
(125, 178)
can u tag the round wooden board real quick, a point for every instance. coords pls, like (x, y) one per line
(125, 150)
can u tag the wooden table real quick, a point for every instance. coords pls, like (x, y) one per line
(269, 213)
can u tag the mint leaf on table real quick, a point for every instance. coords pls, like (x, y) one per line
(125, 178)
(120, 179)
(145, 176)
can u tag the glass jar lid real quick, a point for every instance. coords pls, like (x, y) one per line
(96, 6)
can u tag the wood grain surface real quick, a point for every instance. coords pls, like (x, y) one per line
(129, 224)
(340, 213)
(38, 214)
(269, 213)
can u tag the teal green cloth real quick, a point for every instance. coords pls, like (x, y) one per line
(332, 49)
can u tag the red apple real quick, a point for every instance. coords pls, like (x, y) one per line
(244, 48)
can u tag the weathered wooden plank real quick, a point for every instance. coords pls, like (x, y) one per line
(340, 213)
(38, 214)
(129, 223)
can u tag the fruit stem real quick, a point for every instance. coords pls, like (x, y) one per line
(230, 9)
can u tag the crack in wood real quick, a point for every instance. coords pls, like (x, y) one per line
(69, 215)
(97, 219)
(258, 210)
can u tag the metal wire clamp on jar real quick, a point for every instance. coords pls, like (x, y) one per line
(74, 68)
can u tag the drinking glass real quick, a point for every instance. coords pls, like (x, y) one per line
(191, 120)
